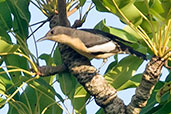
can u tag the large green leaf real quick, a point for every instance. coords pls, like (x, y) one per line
(36, 102)
(127, 7)
(133, 82)
(67, 83)
(79, 99)
(5, 36)
(43, 87)
(19, 9)
(123, 71)
(17, 61)
(5, 16)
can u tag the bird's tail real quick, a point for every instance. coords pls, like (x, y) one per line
(129, 50)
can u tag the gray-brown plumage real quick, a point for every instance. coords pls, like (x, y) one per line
(90, 43)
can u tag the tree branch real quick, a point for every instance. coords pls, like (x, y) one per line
(51, 70)
(149, 80)
(63, 20)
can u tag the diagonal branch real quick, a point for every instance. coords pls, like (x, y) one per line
(149, 80)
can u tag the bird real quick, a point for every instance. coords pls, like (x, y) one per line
(91, 43)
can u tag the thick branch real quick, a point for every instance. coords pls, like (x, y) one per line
(51, 70)
(105, 95)
(149, 80)
(62, 13)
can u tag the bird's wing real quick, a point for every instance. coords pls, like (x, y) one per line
(105, 34)
(90, 39)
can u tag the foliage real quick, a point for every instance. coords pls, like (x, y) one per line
(148, 24)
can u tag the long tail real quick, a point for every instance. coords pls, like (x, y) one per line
(129, 50)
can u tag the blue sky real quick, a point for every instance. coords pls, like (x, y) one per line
(93, 18)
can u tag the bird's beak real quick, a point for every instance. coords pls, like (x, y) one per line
(43, 38)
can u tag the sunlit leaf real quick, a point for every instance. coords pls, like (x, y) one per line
(123, 71)
(6, 48)
(133, 82)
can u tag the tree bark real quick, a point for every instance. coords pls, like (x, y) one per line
(149, 80)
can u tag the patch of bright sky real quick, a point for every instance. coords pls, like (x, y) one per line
(93, 18)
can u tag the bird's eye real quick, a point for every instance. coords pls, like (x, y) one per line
(52, 32)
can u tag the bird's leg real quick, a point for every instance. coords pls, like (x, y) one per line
(104, 61)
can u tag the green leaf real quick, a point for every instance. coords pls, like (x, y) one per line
(47, 58)
(49, 61)
(127, 7)
(117, 32)
(157, 6)
(37, 102)
(7, 48)
(163, 95)
(67, 83)
(8, 84)
(123, 71)
(82, 2)
(113, 64)
(57, 57)
(2, 101)
(133, 82)
(100, 111)
(168, 78)
(17, 61)
(123, 35)
(45, 89)
(152, 101)
(5, 36)
(165, 109)
(19, 9)
(5, 16)
(79, 99)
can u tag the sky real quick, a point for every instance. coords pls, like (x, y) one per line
(93, 18)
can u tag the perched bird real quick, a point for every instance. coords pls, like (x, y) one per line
(90, 43)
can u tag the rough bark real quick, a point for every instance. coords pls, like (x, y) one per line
(149, 80)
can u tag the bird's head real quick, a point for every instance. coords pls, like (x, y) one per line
(56, 33)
